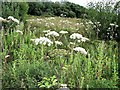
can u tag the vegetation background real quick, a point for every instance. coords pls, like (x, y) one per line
(26, 65)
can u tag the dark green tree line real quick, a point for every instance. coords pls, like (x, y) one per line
(56, 9)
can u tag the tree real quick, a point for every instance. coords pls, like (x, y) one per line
(16, 9)
(104, 13)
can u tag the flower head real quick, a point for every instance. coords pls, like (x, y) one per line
(63, 86)
(76, 36)
(13, 19)
(52, 33)
(83, 39)
(7, 56)
(2, 19)
(112, 24)
(58, 43)
(42, 40)
(81, 50)
(63, 32)
(46, 31)
(116, 26)
(20, 32)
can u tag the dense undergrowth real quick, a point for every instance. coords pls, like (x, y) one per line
(28, 63)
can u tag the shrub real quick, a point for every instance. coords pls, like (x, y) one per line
(15, 9)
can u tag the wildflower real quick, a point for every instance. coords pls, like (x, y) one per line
(98, 22)
(77, 24)
(94, 26)
(36, 41)
(20, 32)
(112, 24)
(76, 36)
(78, 40)
(83, 39)
(109, 28)
(63, 32)
(81, 50)
(90, 22)
(63, 85)
(13, 19)
(52, 23)
(61, 15)
(46, 31)
(72, 43)
(58, 43)
(7, 56)
(2, 19)
(116, 26)
(42, 40)
(52, 33)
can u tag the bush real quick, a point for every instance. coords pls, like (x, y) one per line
(16, 9)
(104, 14)
(56, 9)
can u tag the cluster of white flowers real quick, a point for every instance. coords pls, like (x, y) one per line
(52, 33)
(77, 24)
(90, 22)
(63, 86)
(76, 36)
(2, 19)
(79, 37)
(50, 18)
(83, 39)
(58, 43)
(20, 32)
(116, 26)
(7, 56)
(42, 40)
(13, 19)
(46, 31)
(112, 24)
(63, 32)
(81, 50)
(72, 43)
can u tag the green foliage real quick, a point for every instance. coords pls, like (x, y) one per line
(48, 82)
(15, 9)
(35, 66)
(104, 13)
(56, 9)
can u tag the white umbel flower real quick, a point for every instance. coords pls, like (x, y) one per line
(37, 40)
(58, 43)
(76, 36)
(20, 32)
(52, 33)
(46, 31)
(116, 26)
(7, 56)
(42, 40)
(45, 41)
(81, 50)
(63, 87)
(2, 19)
(84, 39)
(13, 19)
(112, 24)
(63, 32)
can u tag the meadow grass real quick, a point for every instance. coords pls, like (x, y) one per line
(31, 66)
